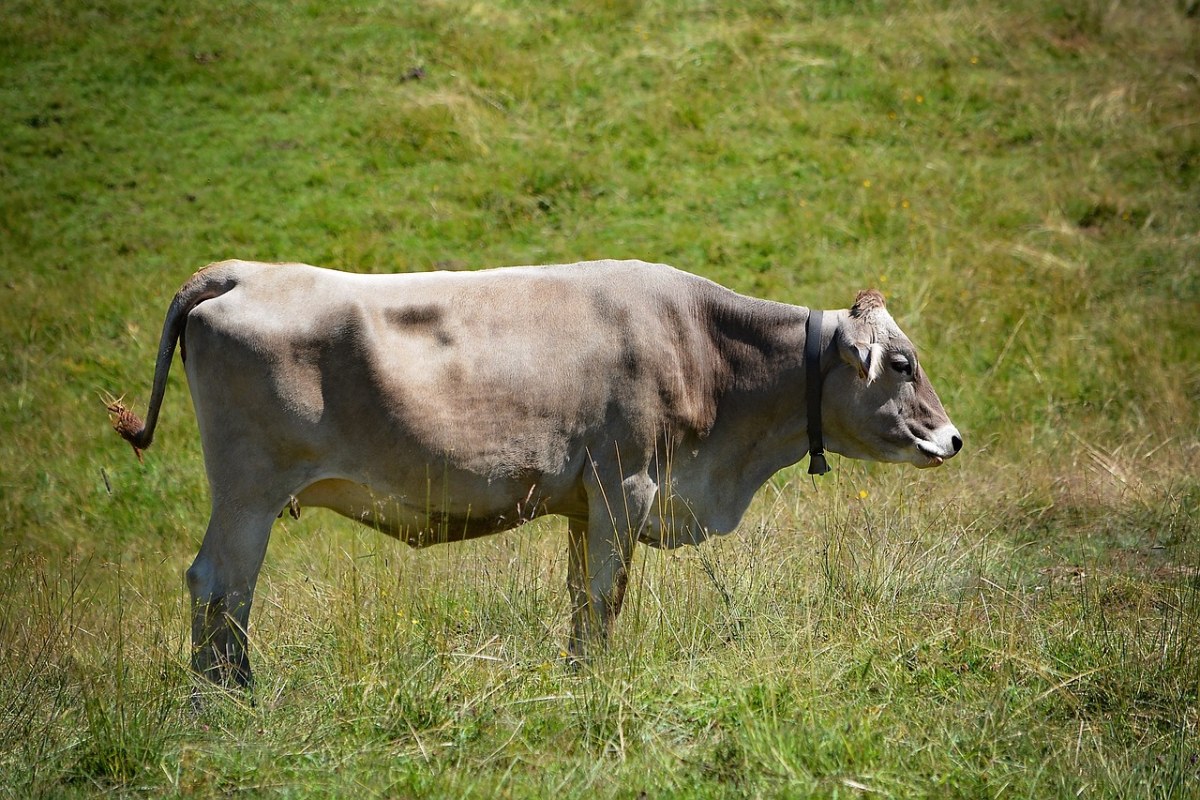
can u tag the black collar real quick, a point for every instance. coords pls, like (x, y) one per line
(812, 365)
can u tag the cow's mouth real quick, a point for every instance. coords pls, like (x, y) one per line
(934, 460)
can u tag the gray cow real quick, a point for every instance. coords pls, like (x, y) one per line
(640, 402)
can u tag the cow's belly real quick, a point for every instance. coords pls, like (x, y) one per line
(436, 519)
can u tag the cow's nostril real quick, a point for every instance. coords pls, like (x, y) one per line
(956, 443)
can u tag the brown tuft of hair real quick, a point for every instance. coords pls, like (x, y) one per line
(128, 424)
(867, 301)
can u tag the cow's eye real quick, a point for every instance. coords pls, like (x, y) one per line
(903, 366)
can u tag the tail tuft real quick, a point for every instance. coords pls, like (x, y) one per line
(128, 424)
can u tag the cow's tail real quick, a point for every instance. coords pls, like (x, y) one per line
(212, 281)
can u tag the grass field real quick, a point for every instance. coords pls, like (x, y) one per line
(1022, 179)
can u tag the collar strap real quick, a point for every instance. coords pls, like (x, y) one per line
(812, 365)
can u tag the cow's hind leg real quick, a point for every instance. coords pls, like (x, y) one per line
(600, 551)
(221, 581)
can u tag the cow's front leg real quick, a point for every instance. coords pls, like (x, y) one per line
(221, 581)
(219, 646)
(599, 555)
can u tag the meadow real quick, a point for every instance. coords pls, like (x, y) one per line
(1021, 179)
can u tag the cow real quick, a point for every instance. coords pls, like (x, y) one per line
(640, 402)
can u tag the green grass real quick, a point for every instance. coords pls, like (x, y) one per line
(1021, 179)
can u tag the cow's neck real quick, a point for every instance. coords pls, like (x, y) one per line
(761, 423)
(763, 408)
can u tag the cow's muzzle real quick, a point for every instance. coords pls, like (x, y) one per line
(945, 443)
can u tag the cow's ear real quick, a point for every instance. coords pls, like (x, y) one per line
(857, 335)
(868, 359)
(865, 357)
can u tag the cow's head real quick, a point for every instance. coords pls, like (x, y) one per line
(878, 403)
